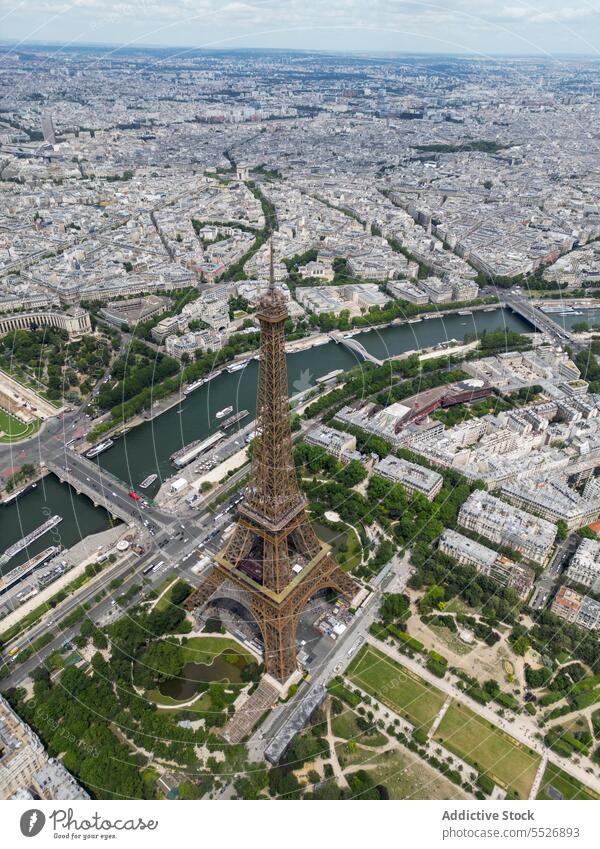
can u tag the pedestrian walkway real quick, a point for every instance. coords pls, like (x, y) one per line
(439, 717)
(535, 787)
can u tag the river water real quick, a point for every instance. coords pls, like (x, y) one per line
(146, 449)
(590, 316)
(20, 517)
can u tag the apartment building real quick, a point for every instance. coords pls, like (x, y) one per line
(553, 499)
(406, 291)
(578, 609)
(413, 478)
(506, 525)
(584, 567)
(339, 444)
(487, 561)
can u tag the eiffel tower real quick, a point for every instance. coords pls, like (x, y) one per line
(273, 562)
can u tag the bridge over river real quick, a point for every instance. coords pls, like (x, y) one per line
(103, 490)
(355, 346)
(540, 320)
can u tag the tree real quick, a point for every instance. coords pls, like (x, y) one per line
(179, 592)
(253, 782)
(161, 661)
(394, 606)
(189, 790)
(283, 783)
(521, 645)
(351, 474)
(563, 530)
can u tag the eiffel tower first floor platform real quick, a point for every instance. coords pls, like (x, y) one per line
(276, 614)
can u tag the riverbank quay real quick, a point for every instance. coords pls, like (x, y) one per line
(91, 549)
(24, 486)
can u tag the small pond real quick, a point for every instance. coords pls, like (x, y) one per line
(194, 677)
(329, 535)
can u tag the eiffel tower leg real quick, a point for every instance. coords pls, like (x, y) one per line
(200, 596)
(278, 630)
(239, 545)
(343, 583)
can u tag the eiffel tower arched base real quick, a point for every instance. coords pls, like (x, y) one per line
(276, 614)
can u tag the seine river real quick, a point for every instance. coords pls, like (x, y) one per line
(147, 448)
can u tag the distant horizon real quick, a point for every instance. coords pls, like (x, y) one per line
(359, 52)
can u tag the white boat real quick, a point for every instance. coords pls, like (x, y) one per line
(237, 366)
(198, 383)
(465, 312)
(189, 452)
(330, 375)
(19, 572)
(31, 537)
(98, 449)
(414, 320)
(224, 412)
(147, 481)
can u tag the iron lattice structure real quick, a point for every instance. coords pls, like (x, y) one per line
(274, 556)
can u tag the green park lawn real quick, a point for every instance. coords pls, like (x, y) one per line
(351, 558)
(407, 694)
(489, 749)
(345, 726)
(565, 785)
(408, 777)
(165, 601)
(13, 430)
(205, 649)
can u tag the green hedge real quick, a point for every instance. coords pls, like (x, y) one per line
(340, 691)
(507, 701)
(405, 638)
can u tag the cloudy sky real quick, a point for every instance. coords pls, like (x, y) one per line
(449, 26)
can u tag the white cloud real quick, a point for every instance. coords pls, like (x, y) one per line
(443, 25)
(557, 15)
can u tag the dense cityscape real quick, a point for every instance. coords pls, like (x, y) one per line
(299, 426)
